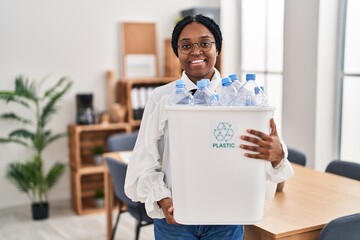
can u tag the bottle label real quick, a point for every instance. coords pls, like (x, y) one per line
(222, 135)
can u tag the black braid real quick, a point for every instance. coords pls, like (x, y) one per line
(206, 21)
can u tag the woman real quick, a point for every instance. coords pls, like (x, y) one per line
(197, 42)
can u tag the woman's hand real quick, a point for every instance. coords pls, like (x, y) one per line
(168, 210)
(267, 147)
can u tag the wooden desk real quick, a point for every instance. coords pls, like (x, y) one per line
(310, 199)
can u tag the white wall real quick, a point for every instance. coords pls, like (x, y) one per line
(79, 39)
(310, 97)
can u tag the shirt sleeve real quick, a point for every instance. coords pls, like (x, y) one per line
(144, 177)
(283, 172)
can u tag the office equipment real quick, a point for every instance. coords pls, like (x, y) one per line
(344, 168)
(344, 228)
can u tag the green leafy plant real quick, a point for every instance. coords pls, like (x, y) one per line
(98, 150)
(99, 193)
(29, 176)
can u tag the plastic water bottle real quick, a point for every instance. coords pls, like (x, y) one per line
(260, 99)
(228, 95)
(247, 91)
(236, 82)
(207, 81)
(203, 96)
(180, 96)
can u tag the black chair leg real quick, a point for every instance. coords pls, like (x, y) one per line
(138, 226)
(116, 223)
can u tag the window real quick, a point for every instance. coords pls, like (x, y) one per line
(350, 118)
(262, 24)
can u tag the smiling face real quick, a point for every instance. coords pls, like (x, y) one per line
(197, 64)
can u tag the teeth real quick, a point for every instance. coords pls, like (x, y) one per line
(197, 61)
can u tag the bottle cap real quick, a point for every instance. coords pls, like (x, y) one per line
(201, 84)
(226, 81)
(207, 81)
(257, 90)
(180, 83)
(250, 77)
(233, 77)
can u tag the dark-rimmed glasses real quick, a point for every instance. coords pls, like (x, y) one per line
(186, 47)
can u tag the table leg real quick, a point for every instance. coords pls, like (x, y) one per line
(109, 197)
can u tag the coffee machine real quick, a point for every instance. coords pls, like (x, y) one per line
(85, 113)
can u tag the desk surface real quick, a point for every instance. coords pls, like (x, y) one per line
(310, 199)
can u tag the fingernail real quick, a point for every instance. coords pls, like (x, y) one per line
(242, 137)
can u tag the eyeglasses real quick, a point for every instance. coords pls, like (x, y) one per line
(187, 47)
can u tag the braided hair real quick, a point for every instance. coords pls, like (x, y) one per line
(206, 21)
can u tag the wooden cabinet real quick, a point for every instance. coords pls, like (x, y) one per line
(85, 175)
(126, 90)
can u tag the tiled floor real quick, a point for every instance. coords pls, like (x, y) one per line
(64, 224)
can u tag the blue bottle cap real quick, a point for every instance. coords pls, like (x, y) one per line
(207, 81)
(257, 90)
(201, 84)
(233, 77)
(180, 83)
(250, 76)
(226, 81)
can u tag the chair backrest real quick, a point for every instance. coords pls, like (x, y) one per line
(344, 168)
(343, 228)
(121, 141)
(296, 156)
(118, 173)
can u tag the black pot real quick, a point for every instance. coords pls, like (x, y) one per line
(40, 210)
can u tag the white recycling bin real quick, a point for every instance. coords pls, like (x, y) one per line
(212, 181)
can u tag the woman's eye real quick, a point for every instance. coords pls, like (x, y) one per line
(186, 46)
(204, 44)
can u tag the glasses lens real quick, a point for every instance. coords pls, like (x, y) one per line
(187, 47)
(205, 45)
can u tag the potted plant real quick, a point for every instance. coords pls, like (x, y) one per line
(99, 198)
(34, 133)
(97, 154)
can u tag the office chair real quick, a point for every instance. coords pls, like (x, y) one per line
(342, 228)
(123, 142)
(344, 168)
(296, 156)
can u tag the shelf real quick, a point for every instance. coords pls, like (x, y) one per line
(86, 177)
(124, 91)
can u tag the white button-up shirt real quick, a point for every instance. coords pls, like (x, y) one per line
(148, 173)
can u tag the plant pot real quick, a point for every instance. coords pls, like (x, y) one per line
(40, 210)
(99, 202)
(98, 159)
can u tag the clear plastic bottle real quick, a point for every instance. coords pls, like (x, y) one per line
(260, 99)
(247, 91)
(236, 81)
(203, 96)
(228, 95)
(207, 81)
(180, 96)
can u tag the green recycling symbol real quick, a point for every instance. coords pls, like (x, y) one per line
(223, 132)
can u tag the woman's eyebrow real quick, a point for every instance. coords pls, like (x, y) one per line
(188, 39)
